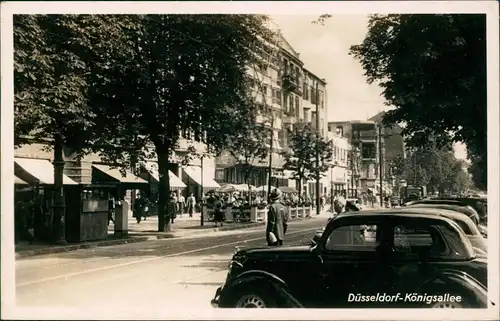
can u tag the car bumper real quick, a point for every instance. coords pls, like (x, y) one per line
(215, 301)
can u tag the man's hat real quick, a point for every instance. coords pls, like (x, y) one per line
(275, 194)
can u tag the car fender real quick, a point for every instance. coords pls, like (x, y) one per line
(276, 282)
(456, 279)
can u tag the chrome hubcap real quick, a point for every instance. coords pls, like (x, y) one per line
(251, 301)
(447, 305)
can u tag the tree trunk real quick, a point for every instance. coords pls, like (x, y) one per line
(59, 207)
(164, 208)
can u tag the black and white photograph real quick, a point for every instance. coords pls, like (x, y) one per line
(168, 160)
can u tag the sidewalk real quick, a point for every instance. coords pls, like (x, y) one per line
(144, 231)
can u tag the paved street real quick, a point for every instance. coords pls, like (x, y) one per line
(170, 273)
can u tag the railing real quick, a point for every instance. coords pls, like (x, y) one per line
(254, 214)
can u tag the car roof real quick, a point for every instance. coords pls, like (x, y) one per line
(396, 212)
(439, 211)
(454, 207)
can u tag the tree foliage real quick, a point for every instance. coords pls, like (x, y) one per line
(304, 146)
(432, 69)
(131, 87)
(435, 168)
(50, 79)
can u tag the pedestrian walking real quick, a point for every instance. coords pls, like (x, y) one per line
(138, 208)
(147, 206)
(218, 213)
(182, 204)
(191, 204)
(172, 206)
(277, 220)
(111, 209)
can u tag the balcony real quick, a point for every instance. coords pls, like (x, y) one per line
(290, 83)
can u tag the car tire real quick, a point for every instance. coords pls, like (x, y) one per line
(251, 297)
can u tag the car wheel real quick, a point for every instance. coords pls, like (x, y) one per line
(252, 298)
(465, 303)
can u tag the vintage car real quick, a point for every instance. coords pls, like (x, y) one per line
(447, 204)
(475, 236)
(403, 261)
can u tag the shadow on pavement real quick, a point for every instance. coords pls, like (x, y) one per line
(213, 265)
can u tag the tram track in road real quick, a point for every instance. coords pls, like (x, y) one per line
(101, 254)
(228, 242)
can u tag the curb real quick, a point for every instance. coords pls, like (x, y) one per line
(126, 240)
(69, 248)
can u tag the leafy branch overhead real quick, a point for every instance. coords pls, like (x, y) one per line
(432, 69)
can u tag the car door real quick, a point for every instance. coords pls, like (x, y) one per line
(349, 259)
(415, 243)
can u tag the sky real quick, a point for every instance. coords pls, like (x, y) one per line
(324, 49)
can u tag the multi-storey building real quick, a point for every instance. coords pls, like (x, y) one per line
(362, 136)
(339, 175)
(393, 146)
(287, 92)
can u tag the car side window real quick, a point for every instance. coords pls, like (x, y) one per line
(352, 238)
(416, 240)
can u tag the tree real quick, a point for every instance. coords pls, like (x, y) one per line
(179, 74)
(50, 81)
(248, 147)
(301, 160)
(437, 169)
(432, 69)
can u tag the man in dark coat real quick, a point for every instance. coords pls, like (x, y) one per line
(277, 218)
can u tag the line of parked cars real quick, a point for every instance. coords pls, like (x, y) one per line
(429, 254)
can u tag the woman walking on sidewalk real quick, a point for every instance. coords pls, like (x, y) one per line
(172, 206)
(191, 203)
(138, 208)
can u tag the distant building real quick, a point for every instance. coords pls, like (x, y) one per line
(393, 144)
(340, 174)
(362, 136)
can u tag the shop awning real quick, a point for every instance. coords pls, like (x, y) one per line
(19, 181)
(116, 175)
(152, 168)
(195, 173)
(41, 170)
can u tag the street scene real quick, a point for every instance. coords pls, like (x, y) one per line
(223, 161)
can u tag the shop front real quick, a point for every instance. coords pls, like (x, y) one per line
(33, 197)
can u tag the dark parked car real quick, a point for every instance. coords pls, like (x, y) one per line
(450, 205)
(363, 259)
(475, 236)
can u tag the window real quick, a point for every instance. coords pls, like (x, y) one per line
(264, 90)
(285, 101)
(291, 110)
(414, 239)
(353, 238)
(297, 104)
(278, 97)
(313, 95)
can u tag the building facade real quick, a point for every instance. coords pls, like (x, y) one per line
(393, 147)
(362, 137)
(339, 176)
(286, 91)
